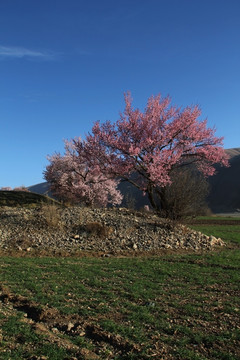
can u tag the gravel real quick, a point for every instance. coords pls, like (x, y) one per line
(108, 231)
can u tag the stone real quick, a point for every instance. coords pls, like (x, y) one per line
(70, 326)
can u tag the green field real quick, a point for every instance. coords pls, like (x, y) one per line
(181, 306)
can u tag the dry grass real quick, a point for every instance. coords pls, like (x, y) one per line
(51, 215)
(97, 229)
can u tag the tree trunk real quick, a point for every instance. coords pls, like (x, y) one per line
(151, 197)
(157, 199)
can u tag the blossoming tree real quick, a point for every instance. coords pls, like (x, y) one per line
(151, 145)
(71, 179)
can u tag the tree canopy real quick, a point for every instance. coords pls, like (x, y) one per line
(151, 144)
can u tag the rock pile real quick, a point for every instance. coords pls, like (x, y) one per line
(95, 230)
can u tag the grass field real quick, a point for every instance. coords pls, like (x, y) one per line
(181, 306)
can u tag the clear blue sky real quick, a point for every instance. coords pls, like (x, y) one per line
(66, 63)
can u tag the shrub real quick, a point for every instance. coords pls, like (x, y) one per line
(51, 215)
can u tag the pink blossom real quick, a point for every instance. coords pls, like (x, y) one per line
(148, 144)
(76, 177)
(154, 142)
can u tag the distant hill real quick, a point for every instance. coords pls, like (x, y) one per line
(42, 188)
(233, 152)
(225, 185)
(224, 193)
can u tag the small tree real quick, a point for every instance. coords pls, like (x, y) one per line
(153, 144)
(186, 195)
(71, 179)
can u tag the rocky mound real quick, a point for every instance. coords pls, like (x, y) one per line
(106, 231)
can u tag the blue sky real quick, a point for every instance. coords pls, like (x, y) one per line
(66, 63)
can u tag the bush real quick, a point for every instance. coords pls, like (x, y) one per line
(186, 196)
(51, 215)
